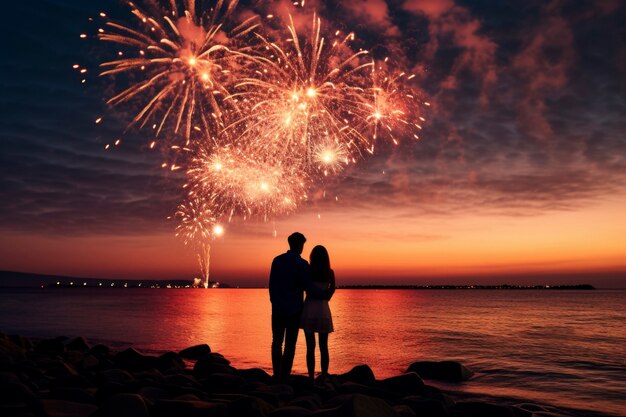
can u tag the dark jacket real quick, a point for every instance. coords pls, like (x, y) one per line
(289, 277)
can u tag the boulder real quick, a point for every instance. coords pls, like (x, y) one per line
(255, 375)
(131, 359)
(89, 362)
(108, 389)
(290, 411)
(402, 410)
(408, 383)
(435, 393)
(207, 366)
(171, 361)
(441, 371)
(60, 408)
(365, 406)
(182, 380)
(100, 351)
(152, 394)
(482, 409)
(224, 382)
(425, 406)
(169, 408)
(309, 401)
(51, 346)
(361, 374)
(77, 395)
(21, 341)
(248, 406)
(195, 352)
(119, 376)
(78, 343)
(125, 405)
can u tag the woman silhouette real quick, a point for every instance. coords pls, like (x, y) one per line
(316, 316)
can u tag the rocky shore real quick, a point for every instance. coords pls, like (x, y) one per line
(65, 377)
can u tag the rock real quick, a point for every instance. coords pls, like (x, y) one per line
(402, 410)
(365, 406)
(290, 411)
(153, 394)
(21, 341)
(195, 352)
(284, 392)
(108, 389)
(14, 394)
(56, 368)
(207, 366)
(78, 343)
(126, 405)
(361, 374)
(88, 362)
(169, 408)
(249, 406)
(309, 401)
(119, 376)
(224, 383)
(131, 359)
(51, 346)
(435, 393)
(409, 383)
(255, 375)
(441, 371)
(482, 409)
(171, 361)
(182, 380)
(353, 388)
(425, 406)
(100, 351)
(76, 395)
(73, 357)
(60, 408)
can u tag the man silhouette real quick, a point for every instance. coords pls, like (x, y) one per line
(289, 277)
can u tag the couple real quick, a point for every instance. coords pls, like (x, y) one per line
(290, 277)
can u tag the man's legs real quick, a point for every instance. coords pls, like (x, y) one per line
(278, 334)
(292, 326)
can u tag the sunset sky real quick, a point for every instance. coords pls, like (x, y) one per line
(519, 175)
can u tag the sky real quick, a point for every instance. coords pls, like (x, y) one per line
(519, 175)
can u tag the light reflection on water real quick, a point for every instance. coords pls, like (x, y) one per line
(560, 347)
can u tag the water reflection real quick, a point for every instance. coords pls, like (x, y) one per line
(562, 347)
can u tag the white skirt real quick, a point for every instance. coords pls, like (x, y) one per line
(316, 316)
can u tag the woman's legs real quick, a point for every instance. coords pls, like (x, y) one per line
(324, 359)
(310, 353)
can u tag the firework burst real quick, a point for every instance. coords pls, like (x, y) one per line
(181, 61)
(241, 182)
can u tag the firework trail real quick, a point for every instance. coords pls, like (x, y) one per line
(198, 227)
(179, 61)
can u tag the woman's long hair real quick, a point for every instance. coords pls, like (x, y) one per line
(320, 264)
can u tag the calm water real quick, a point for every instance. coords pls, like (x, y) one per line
(562, 348)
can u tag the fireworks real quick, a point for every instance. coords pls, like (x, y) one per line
(180, 63)
(237, 182)
(198, 227)
(264, 117)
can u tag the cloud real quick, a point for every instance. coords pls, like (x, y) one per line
(527, 117)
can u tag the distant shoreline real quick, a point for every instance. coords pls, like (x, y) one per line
(10, 279)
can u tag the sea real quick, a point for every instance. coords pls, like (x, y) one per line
(559, 348)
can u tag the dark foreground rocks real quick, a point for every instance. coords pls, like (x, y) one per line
(64, 377)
